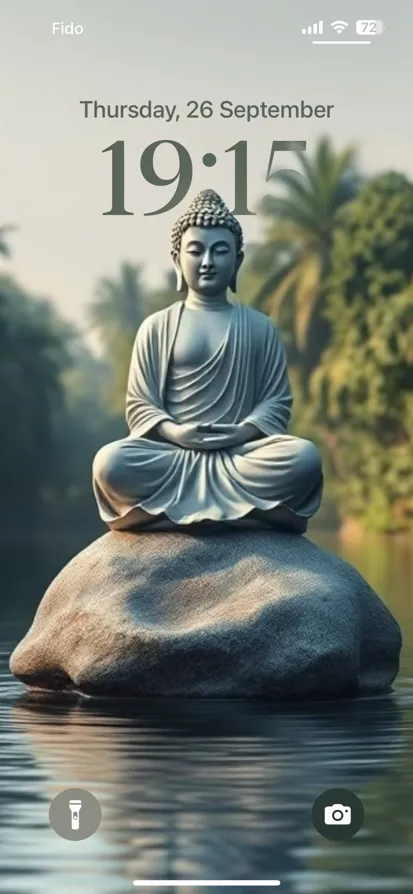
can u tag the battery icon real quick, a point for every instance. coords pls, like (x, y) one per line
(369, 26)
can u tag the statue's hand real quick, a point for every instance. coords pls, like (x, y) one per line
(221, 435)
(189, 436)
(206, 436)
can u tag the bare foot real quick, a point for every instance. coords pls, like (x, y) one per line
(137, 518)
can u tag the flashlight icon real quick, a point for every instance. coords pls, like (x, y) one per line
(369, 26)
(75, 807)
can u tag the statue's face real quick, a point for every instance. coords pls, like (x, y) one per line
(208, 259)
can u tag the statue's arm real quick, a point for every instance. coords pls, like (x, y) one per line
(167, 430)
(272, 412)
(144, 406)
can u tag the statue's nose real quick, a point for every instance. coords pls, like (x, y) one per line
(206, 262)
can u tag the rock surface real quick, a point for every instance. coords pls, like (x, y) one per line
(234, 614)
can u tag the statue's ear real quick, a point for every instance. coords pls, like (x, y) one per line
(233, 280)
(180, 282)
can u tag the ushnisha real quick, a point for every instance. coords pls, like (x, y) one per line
(208, 401)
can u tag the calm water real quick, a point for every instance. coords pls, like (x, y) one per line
(204, 789)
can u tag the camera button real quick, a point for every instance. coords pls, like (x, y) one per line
(337, 814)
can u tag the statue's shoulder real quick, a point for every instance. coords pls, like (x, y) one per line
(261, 323)
(156, 321)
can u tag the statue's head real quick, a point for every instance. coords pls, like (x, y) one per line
(207, 246)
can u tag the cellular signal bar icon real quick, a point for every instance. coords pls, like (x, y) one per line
(317, 28)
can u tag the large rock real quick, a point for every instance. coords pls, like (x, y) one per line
(257, 613)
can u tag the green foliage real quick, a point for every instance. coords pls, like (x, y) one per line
(116, 313)
(32, 357)
(362, 391)
(53, 413)
(82, 423)
(54, 401)
(295, 258)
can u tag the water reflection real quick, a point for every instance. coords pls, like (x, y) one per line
(210, 790)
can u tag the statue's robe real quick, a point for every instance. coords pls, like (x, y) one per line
(244, 380)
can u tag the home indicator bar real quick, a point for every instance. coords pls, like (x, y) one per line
(207, 883)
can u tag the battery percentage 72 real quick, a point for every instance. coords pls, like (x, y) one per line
(369, 26)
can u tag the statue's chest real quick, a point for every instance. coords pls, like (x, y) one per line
(199, 336)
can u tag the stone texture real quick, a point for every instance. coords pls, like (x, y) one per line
(190, 613)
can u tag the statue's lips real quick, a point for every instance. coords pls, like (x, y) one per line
(207, 276)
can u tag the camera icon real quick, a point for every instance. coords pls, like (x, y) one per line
(337, 815)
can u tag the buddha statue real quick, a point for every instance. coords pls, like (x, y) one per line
(208, 402)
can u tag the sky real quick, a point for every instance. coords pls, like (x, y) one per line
(55, 178)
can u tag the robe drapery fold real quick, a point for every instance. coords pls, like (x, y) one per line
(244, 380)
(251, 378)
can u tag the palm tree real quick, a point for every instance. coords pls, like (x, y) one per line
(116, 313)
(294, 259)
(119, 306)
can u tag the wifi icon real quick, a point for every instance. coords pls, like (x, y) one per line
(339, 26)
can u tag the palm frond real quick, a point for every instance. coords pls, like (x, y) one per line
(295, 184)
(287, 209)
(300, 226)
(272, 292)
(307, 295)
(119, 306)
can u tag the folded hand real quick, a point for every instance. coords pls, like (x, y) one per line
(219, 436)
(208, 436)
